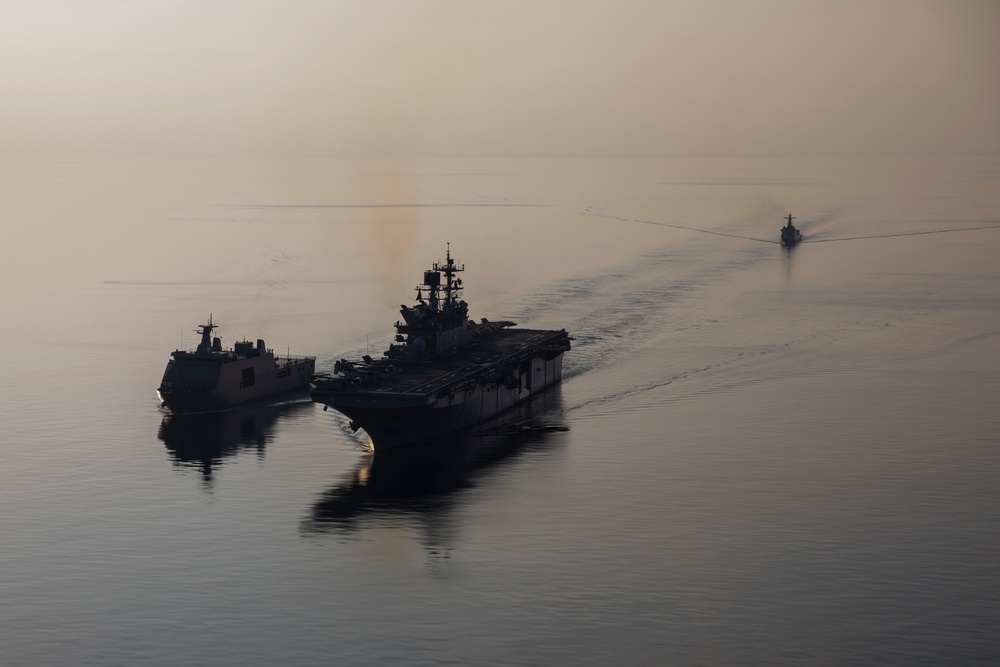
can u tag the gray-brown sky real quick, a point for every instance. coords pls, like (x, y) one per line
(460, 76)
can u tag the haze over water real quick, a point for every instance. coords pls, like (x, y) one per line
(758, 455)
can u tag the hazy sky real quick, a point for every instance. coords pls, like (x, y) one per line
(469, 77)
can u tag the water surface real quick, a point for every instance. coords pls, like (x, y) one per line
(758, 455)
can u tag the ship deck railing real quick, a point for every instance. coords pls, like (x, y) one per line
(489, 362)
(290, 361)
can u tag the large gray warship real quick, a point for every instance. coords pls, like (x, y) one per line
(210, 378)
(444, 372)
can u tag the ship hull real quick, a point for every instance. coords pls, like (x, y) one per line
(227, 388)
(396, 420)
(791, 240)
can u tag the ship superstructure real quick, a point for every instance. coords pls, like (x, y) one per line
(211, 378)
(443, 372)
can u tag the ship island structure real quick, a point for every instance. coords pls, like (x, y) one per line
(444, 372)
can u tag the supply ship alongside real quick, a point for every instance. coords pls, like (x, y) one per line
(444, 372)
(210, 378)
(790, 235)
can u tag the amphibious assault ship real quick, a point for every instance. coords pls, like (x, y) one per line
(444, 372)
(790, 235)
(210, 378)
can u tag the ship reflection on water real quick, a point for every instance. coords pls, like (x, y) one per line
(204, 441)
(424, 482)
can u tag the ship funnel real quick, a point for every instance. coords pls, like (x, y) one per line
(216, 344)
(260, 344)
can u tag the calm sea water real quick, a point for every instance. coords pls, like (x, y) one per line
(757, 456)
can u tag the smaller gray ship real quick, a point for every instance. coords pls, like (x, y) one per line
(790, 234)
(210, 378)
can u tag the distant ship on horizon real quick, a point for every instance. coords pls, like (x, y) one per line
(210, 378)
(790, 235)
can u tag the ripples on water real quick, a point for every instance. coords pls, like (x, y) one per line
(757, 455)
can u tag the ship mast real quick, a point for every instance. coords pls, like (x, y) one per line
(452, 285)
(205, 347)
